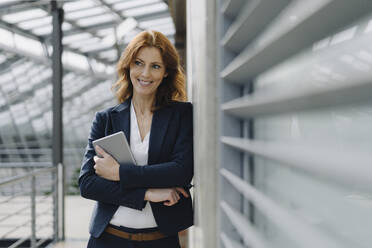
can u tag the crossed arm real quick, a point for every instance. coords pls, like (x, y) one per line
(103, 179)
(107, 167)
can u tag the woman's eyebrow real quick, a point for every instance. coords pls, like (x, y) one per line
(157, 63)
(154, 62)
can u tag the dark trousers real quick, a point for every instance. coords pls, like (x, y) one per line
(107, 240)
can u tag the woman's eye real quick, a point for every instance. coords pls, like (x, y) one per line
(137, 63)
(156, 66)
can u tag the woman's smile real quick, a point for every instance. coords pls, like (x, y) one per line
(144, 83)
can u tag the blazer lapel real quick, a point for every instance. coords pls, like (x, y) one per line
(120, 119)
(159, 125)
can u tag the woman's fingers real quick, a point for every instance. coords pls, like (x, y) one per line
(170, 202)
(100, 151)
(96, 169)
(95, 158)
(177, 196)
(172, 198)
(182, 191)
(169, 196)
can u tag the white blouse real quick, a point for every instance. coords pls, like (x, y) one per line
(130, 217)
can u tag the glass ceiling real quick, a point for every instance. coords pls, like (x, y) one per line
(91, 27)
(95, 33)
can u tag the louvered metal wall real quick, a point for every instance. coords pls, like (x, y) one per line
(296, 92)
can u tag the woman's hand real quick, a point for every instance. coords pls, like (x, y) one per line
(106, 167)
(169, 196)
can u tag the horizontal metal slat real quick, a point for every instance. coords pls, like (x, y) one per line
(352, 168)
(40, 151)
(249, 235)
(300, 232)
(295, 100)
(252, 19)
(36, 172)
(328, 19)
(25, 165)
(230, 8)
(228, 243)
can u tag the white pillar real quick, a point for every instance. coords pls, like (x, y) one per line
(203, 91)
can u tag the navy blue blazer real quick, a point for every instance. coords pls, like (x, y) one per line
(170, 164)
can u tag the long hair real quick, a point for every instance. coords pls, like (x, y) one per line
(172, 88)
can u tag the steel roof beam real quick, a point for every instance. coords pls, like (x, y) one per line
(93, 28)
(15, 29)
(109, 6)
(10, 60)
(152, 16)
(19, 6)
(46, 61)
(111, 24)
(44, 38)
(80, 29)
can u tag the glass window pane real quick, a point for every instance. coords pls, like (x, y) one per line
(145, 9)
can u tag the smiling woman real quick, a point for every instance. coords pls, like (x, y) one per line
(148, 203)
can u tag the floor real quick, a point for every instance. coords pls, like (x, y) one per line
(77, 215)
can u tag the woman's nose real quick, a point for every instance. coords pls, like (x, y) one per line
(146, 71)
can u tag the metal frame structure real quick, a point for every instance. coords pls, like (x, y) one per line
(57, 133)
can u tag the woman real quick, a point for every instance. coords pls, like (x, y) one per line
(147, 204)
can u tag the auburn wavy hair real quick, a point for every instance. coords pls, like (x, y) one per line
(172, 88)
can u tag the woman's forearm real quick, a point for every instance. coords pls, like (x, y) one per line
(99, 189)
(164, 175)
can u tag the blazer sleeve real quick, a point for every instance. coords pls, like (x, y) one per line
(178, 172)
(99, 189)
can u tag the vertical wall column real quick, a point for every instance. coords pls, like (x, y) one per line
(202, 79)
(57, 138)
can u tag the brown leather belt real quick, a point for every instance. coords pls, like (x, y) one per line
(135, 236)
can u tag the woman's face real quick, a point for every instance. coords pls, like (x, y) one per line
(147, 71)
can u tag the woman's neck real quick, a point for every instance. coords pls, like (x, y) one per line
(142, 104)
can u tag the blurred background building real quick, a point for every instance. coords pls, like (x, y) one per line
(282, 107)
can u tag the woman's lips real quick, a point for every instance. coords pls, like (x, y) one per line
(144, 83)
